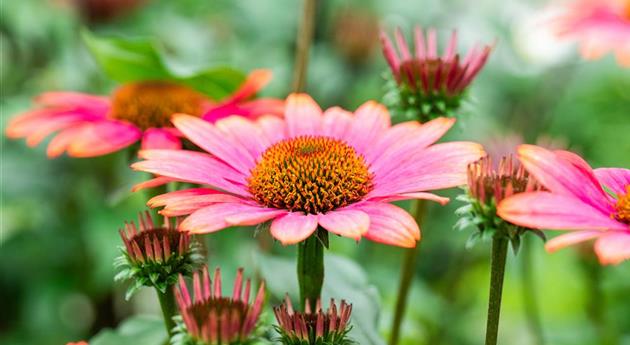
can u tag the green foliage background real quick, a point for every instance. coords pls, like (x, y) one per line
(59, 217)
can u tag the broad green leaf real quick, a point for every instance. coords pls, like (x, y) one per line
(344, 279)
(137, 330)
(127, 60)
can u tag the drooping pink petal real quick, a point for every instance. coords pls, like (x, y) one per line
(570, 239)
(72, 99)
(103, 137)
(616, 179)
(545, 210)
(303, 115)
(345, 222)
(209, 138)
(158, 138)
(151, 183)
(563, 176)
(179, 196)
(255, 81)
(390, 224)
(370, 121)
(176, 206)
(613, 248)
(409, 196)
(60, 142)
(249, 215)
(177, 164)
(244, 132)
(216, 217)
(293, 227)
(263, 106)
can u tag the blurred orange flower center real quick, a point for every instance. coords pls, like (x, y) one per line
(623, 207)
(152, 103)
(310, 174)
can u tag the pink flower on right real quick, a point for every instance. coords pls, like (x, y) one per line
(594, 204)
(600, 26)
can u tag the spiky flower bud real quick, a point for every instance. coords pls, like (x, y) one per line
(426, 85)
(155, 255)
(209, 318)
(488, 184)
(314, 328)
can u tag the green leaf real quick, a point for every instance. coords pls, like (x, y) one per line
(344, 279)
(128, 60)
(137, 330)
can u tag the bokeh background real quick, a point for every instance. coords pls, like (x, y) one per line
(60, 217)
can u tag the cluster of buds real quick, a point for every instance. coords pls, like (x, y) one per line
(314, 328)
(209, 318)
(155, 255)
(427, 85)
(488, 184)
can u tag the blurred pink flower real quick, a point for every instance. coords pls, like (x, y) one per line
(216, 319)
(601, 26)
(575, 200)
(333, 169)
(91, 125)
(78, 343)
(428, 72)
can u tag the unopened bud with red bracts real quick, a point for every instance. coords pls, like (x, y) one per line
(488, 184)
(155, 255)
(426, 85)
(210, 318)
(314, 327)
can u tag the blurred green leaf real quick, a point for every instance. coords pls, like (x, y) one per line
(137, 330)
(344, 279)
(127, 60)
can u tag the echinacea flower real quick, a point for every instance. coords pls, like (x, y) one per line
(210, 318)
(78, 343)
(314, 327)
(600, 26)
(430, 85)
(488, 185)
(89, 125)
(155, 255)
(334, 169)
(594, 204)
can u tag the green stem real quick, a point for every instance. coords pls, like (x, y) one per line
(497, 273)
(528, 288)
(406, 277)
(305, 36)
(310, 268)
(169, 308)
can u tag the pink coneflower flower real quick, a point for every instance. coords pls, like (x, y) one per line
(91, 125)
(601, 26)
(78, 343)
(314, 327)
(214, 319)
(155, 255)
(332, 169)
(595, 204)
(430, 84)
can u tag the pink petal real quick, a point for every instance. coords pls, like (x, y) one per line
(432, 44)
(154, 182)
(390, 54)
(157, 138)
(303, 115)
(209, 138)
(371, 120)
(436, 167)
(293, 227)
(193, 167)
(402, 45)
(72, 99)
(564, 175)
(244, 132)
(255, 81)
(179, 196)
(273, 128)
(59, 144)
(418, 195)
(613, 248)
(545, 210)
(570, 239)
(220, 216)
(390, 225)
(345, 222)
(336, 122)
(264, 106)
(452, 45)
(419, 43)
(395, 146)
(101, 138)
(617, 179)
(190, 204)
